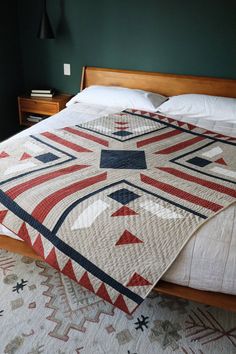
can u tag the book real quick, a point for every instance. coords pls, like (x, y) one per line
(49, 95)
(35, 119)
(34, 116)
(50, 90)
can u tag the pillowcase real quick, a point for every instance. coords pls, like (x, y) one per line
(200, 106)
(119, 97)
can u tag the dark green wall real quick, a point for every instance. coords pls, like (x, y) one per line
(10, 69)
(177, 36)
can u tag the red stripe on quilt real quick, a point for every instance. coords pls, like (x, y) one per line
(181, 194)
(211, 185)
(158, 138)
(65, 142)
(47, 204)
(20, 188)
(181, 145)
(87, 136)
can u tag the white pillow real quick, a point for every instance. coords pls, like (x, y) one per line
(200, 106)
(119, 97)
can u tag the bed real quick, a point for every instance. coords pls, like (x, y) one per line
(177, 280)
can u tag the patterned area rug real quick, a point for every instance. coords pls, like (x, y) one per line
(44, 312)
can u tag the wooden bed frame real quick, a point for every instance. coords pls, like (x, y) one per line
(168, 85)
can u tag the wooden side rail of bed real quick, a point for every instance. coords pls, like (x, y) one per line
(15, 246)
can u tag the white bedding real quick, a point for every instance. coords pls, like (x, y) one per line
(208, 261)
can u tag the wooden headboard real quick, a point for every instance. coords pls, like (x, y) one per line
(165, 84)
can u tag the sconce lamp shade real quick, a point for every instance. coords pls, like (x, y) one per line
(45, 28)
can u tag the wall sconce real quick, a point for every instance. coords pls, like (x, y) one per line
(45, 28)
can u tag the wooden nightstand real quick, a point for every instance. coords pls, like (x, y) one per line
(40, 106)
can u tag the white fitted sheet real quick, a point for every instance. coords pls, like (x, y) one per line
(208, 261)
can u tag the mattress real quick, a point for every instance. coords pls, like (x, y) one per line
(208, 261)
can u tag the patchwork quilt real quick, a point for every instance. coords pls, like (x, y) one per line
(112, 202)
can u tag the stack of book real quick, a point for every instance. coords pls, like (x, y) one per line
(43, 93)
(35, 119)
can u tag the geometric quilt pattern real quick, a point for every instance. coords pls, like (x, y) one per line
(112, 202)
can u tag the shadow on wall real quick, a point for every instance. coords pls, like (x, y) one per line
(62, 30)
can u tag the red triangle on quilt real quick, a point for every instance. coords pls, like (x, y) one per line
(38, 246)
(69, 271)
(121, 128)
(52, 259)
(103, 293)
(221, 161)
(160, 116)
(210, 132)
(3, 154)
(219, 136)
(25, 156)
(152, 115)
(24, 234)
(124, 211)
(190, 126)
(143, 112)
(121, 123)
(170, 120)
(138, 280)
(85, 282)
(180, 124)
(120, 303)
(128, 238)
(3, 213)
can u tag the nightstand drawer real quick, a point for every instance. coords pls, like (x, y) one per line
(40, 106)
